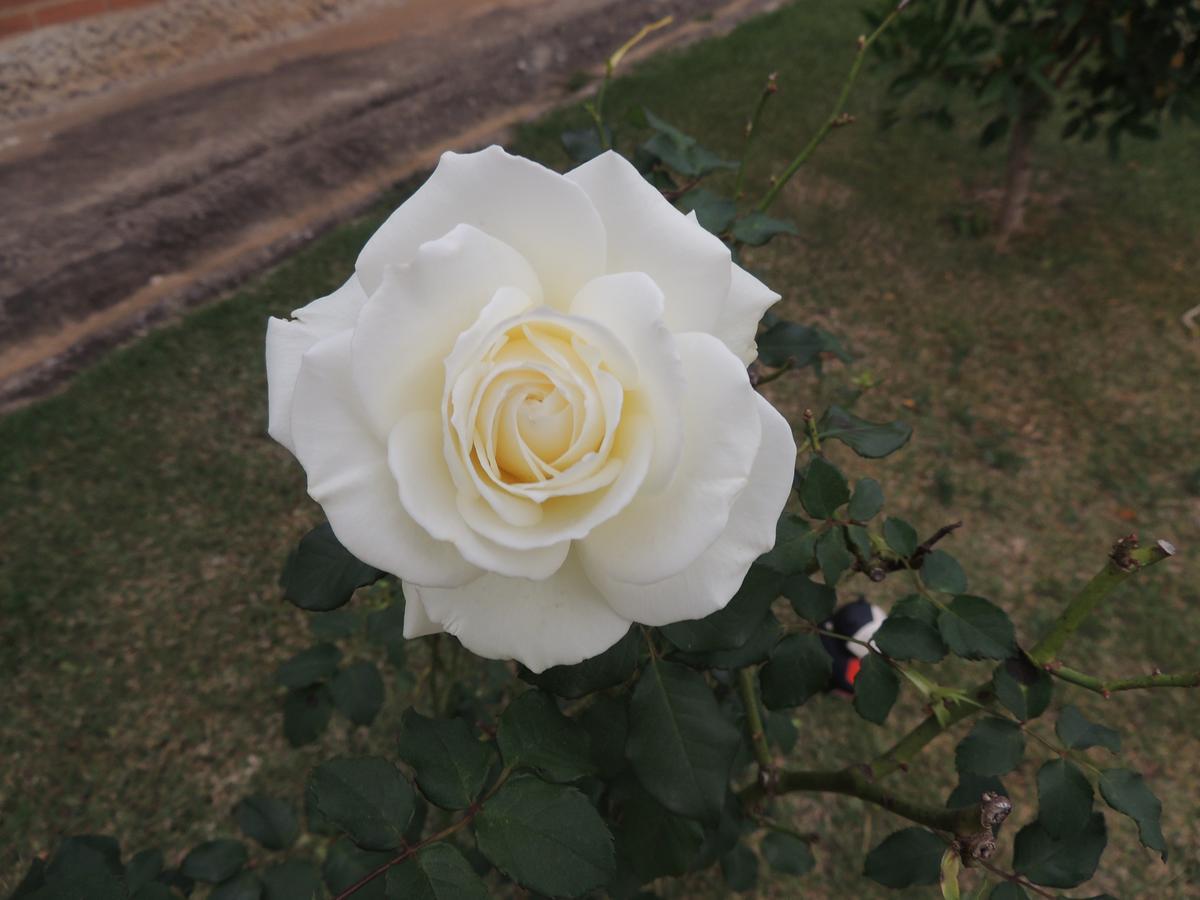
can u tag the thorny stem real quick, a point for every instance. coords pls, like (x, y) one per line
(810, 427)
(411, 849)
(751, 128)
(596, 108)
(758, 379)
(835, 117)
(1138, 682)
(754, 725)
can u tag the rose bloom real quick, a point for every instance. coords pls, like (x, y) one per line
(530, 403)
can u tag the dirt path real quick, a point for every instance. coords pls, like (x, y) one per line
(122, 211)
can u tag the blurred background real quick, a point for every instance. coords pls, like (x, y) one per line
(174, 171)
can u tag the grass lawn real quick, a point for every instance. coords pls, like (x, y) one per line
(144, 514)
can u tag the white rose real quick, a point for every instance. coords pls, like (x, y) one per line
(530, 403)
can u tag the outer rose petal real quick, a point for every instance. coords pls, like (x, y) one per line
(711, 581)
(416, 621)
(409, 325)
(560, 621)
(287, 341)
(660, 534)
(647, 234)
(545, 217)
(348, 474)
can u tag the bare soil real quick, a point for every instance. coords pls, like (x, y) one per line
(126, 208)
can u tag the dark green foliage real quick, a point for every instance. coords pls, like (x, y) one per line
(294, 879)
(872, 440)
(757, 228)
(729, 628)
(534, 734)
(810, 599)
(867, 500)
(798, 668)
(1126, 792)
(833, 556)
(267, 820)
(679, 151)
(243, 886)
(971, 787)
(907, 637)
(975, 628)
(900, 536)
(1064, 798)
(143, 868)
(306, 713)
(654, 841)
(610, 668)
(824, 490)
(345, 864)
(908, 857)
(992, 747)
(679, 744)
(1022, 687)
(787, 854)
(451, 764)
(438, 872)
(714, 212)
(1063, 863)
(546, 837)
(1074, 730)
(320, 574)
(357, 692)
(941, 572)
(802, 345)
(739, 868)
(214, 861)
(875, 689)
(365, 797)
(308, 667)
(606, 720)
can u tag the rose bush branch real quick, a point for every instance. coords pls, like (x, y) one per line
(1136, 683)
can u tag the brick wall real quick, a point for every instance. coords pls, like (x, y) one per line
(25, 15)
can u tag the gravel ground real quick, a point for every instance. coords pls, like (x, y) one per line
(44, 69)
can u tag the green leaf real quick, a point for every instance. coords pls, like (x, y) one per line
(971, 788)
(915, 606)
(908, 857)
(1063, 863)
(345, 864)
(85, 856)
(729, 628)
(1008, 890)
(868, 439)
(832, 555)
(365, 797)
(1022, 687)
(606, 720)
(757, 228)
(143, 868)
(951, 866)
(243, 886)
(941, 572)
(306, 713)
(681, 152)
(875, 689)
(320, 574)
(1076, 732)
(787, 854)
(533, 733)
(975, 628)
(714, 212)
(358, 692)
(1126, 792)
(679, 744)
(810, 599)
(900, 536)
(451, 765)
(546, 837)
(1064, 798)
(609, 669)
(311, 666)
(653, 840)
(438, 872)
(859, 540)
(795, 547)
(215, 861)
(294, 879)
(802, 344)
(582, 144)
(992, 747)
(798, 669)
(385, 627)
(867, 500)
(739, 868)
(906, 637)
(35, 878)
(334, 625)
(267, 820)
(824, 490)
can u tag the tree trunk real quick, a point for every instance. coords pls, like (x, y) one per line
(1018, 175)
